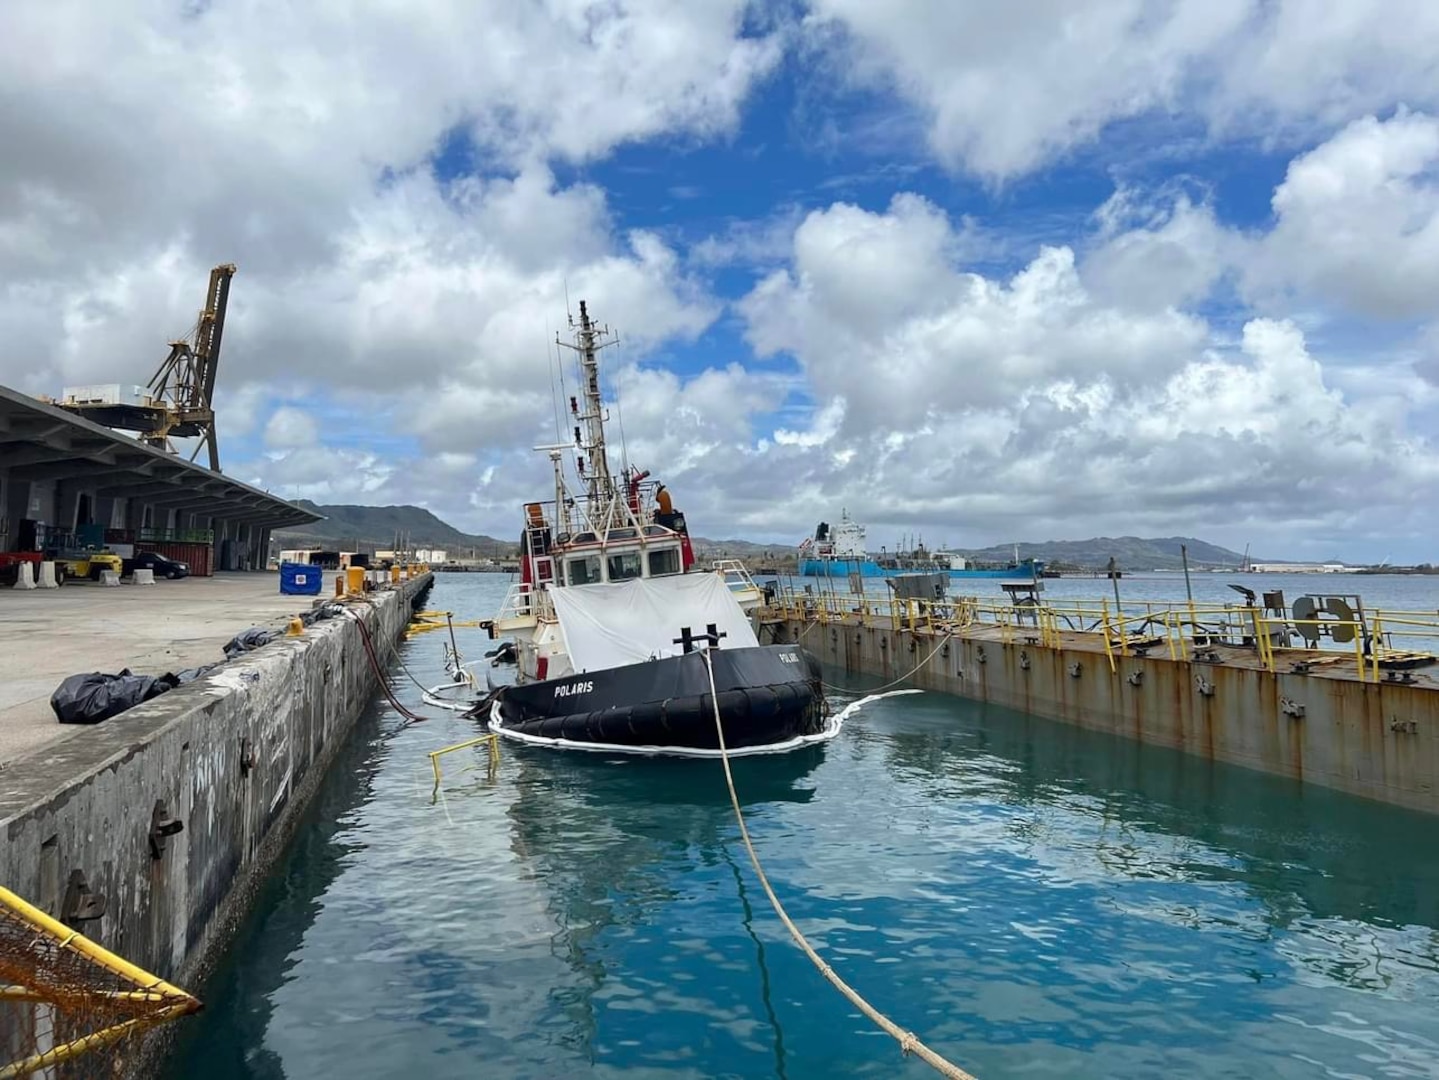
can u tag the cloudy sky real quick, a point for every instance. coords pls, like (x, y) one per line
(988, 272)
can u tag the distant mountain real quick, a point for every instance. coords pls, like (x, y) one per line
(1131, 553)
(738, 549)
(378, 527)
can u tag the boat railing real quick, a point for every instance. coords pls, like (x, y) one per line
(1381, 643)
(524, 602)
(737, 578)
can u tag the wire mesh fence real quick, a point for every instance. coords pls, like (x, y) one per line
(70, 1009)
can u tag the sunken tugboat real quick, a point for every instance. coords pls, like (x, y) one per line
(617, 631)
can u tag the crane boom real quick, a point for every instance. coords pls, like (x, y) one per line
(212, 324)
(185, 382)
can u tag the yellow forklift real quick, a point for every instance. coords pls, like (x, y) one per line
(80, 554)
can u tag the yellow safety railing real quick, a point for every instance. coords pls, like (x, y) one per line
(1182, 627)
(66, 1000)
(1267, 626)
(422, 622)
(493, 742)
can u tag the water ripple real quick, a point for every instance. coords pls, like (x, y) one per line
(1036, 901)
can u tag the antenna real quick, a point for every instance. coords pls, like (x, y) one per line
(560, 366)
(590, 338)
(554, 394)
(620, 415)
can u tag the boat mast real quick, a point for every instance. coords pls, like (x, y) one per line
(594, 465)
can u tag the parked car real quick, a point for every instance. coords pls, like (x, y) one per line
(153, 560)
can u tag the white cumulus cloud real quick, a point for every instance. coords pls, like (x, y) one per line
(1006, 88)
(1357, 221)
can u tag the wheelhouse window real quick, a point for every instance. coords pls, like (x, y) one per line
(624, 566)
(584, 570)
(664, 561)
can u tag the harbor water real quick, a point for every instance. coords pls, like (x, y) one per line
(1032, 899)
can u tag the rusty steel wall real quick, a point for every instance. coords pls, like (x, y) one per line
(1377, 740)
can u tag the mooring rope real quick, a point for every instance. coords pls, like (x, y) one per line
(909, 1042)
(895, 682)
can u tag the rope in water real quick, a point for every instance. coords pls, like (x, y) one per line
(909, 1042)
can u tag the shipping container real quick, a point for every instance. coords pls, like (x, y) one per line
(199, 557)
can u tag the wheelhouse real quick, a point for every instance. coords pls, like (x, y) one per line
(633, 545)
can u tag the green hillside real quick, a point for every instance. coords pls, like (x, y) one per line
(379, 527)
(1132, 553)
(361, 527)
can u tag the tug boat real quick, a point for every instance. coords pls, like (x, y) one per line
(617, 633)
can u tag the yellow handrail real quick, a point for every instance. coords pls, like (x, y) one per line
(149, 989)
(1181, 623)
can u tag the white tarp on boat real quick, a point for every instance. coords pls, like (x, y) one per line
(628, 622)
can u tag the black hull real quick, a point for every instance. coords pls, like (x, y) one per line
(769, 696)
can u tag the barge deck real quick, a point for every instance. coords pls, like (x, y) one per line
(1350, 703)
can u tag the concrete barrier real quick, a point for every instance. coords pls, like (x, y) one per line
(109, 577)
(47, 576)
(25, 576)
(234, 757)
(143, 577)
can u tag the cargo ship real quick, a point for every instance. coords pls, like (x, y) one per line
(840, 551)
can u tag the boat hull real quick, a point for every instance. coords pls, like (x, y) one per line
(868, 568)
(770, 699)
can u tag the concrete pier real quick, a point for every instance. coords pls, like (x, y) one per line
(1314, 715)
(170, 626)
(232, 758)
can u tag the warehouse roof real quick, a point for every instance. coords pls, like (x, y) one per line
(42, 442)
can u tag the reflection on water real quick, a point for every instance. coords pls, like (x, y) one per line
(1032, 898)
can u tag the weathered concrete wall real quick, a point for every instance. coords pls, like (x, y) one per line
(1378, 740)
(234, 757)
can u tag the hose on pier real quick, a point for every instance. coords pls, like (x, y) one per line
(382, 677)
(909, 1042)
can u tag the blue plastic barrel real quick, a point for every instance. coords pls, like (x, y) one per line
(300, 579)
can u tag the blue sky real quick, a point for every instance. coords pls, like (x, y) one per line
(989, 273)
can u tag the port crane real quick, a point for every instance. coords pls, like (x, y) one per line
(178, 402)
(184, 385)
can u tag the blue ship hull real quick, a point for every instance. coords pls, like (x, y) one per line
(842, 568)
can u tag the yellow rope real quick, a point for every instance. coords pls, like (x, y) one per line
(909, 1043)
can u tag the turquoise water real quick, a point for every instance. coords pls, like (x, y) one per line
(1034, 900)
